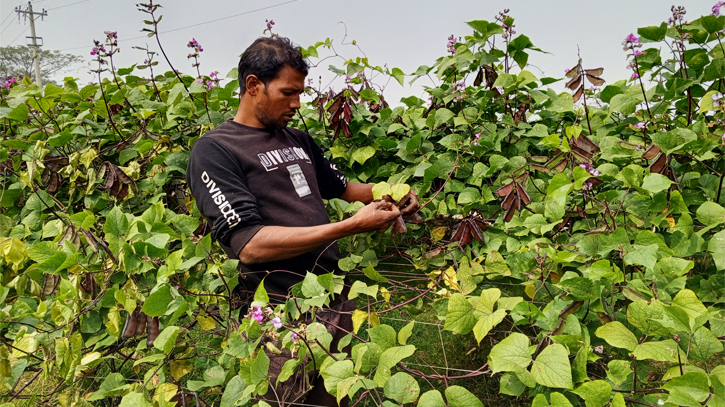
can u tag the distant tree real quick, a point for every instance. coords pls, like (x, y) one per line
(17, 62)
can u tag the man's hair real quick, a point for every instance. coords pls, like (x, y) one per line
(266, 57)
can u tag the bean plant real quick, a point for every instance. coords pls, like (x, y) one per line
(573, 241)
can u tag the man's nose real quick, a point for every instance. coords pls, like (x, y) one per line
(295, 103)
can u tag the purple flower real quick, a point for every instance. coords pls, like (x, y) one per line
(637, 52)
(257, 314)
(293, 337)
(111, 34)
(716, 8)
(270, 23)
(476, 139)
(504, 26)
(567, 70)
(632, 39)
(194, 44)
(451, 44)
(717, 99)
(277, 322)
(590, 169)
(635, 75)
(639, 126)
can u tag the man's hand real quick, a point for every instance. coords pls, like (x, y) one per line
(377, 215)
(408, 205)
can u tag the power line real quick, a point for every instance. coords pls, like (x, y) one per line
(6, 19)
(6, 27)
(26, 29)
(68, 5)
(194, 25)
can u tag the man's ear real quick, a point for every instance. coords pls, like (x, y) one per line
(254, 85)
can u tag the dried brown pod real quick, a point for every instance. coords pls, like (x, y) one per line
(479, 78)
(658, 166)
(129, 328)
(50, 283)
(152, 329)
(140, 322)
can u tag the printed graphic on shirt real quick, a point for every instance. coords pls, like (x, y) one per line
(298, 180)
(221, 201)
(339, 175)
(271, 159)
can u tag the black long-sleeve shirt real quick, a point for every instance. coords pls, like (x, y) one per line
(244, 178)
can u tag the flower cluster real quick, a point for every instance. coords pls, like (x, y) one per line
(632, 43)
(9, 82)
(270, 24)
(508, 30)
(459, 87)
(98, 48)
(451, 45)
(260, 315)
(590, 169)
(716, 8)
(639, 126)
(476, 139)
(194, 44)
(717, 100)
(212, 81)
(678, 15)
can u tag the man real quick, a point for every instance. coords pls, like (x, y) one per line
(261, 184)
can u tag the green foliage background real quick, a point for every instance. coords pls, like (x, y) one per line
(605, 287)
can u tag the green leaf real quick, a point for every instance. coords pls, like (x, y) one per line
(716, 247)
(336, 372)
(233, 393)
(380, 189)
(390, 358)
(402, 388)
(116, 222)
(460, 316)
(595, 393)
(662, 351)
(655, 183)
(486, 323)
(363, 154)
(158, 302)
(358, 287)
(688, 301)
(711, 214)
(167, 339)
(552, 368)
(134, 400)
(672, 141)
(653, 33)
(705, 344)
(405, 333)
(20, 113)
(442, 116)
(642, 255)
(617, 335)
(458, 396)
(431, 398)
(712, 24)
(694, 384)
(398, 191)
(399, 76)
(511, 354)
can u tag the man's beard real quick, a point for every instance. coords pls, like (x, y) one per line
(262, 112)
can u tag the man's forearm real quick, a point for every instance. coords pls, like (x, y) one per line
(273, 243)
(358, 192)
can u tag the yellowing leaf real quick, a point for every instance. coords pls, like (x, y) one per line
(438, 233)
(179, 368)
(399, 191)
(206, 323)
(530, 290)
(358, 317)
(374, 320)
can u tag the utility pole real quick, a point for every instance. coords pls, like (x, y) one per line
(28, 13)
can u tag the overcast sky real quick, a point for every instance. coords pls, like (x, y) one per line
(399, 33)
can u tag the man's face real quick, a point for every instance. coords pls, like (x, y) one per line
(278, 102)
